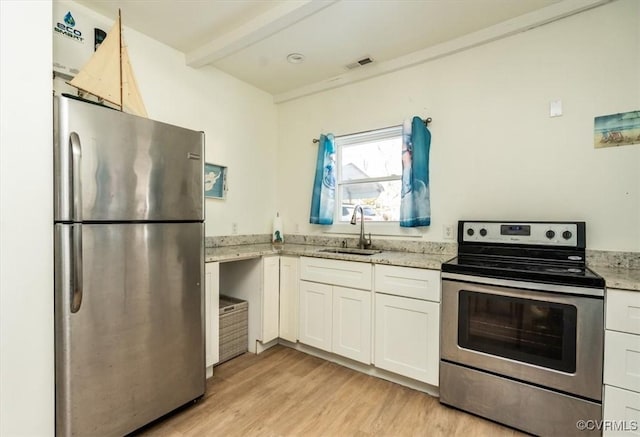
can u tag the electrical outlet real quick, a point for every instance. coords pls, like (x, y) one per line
(447, 232)
(234, 228)
(297, 228)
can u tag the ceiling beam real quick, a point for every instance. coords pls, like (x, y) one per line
(283, 15)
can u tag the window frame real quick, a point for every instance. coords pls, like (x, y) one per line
(390, 228)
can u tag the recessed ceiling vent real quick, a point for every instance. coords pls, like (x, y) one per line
(360, 63)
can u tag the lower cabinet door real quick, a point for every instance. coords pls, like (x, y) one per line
(407, 337)
(270, 298)
(621, 411)
(315, 315)
(352, 324)
(289, 292)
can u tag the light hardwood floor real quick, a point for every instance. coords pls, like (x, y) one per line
(284, 392)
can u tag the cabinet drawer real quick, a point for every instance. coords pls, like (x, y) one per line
(409, 282)
(335, 272)
(622, 360)
(623, 311)
(623, 407)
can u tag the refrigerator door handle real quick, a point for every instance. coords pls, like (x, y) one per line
(76, 181)
(76, 265)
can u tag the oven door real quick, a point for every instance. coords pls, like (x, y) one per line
(546, 338)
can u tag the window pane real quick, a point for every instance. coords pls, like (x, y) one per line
(380, 200)
(372, 159)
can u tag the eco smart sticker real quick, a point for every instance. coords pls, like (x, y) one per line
(68, 28)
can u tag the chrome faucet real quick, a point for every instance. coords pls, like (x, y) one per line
(364, 243)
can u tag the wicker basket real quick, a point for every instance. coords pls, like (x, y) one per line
(233, 327)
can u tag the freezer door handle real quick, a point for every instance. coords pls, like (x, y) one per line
(76, 181)
(76, 265)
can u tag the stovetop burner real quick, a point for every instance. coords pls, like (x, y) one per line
(531, 270)
(545, 252)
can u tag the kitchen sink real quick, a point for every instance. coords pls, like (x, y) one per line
(351, 251)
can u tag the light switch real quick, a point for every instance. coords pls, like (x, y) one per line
(555, 108)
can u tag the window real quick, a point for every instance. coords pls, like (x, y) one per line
(369, 174)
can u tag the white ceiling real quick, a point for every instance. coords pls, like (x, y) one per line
(251, 39)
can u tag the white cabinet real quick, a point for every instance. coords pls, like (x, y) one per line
(352, 324)
(212, 312)
(622, 360)
(335, 307)
(336, 272)
(270, 298)
(289, 298)
(407, 322)
(316, 314)
(621, 405)
(623, 311)
(408, 282)
(622, 409)
(407, 337)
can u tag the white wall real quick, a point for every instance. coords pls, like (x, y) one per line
(495, 153)
(26, 220)
(240, 126)
(239, 122)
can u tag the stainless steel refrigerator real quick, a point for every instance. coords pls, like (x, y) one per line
(129, 269)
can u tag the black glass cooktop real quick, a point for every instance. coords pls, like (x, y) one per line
(552, 272)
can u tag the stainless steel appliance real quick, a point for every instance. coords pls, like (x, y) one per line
(522, 326)
(129, 269)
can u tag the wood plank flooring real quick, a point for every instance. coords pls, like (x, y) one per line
(284, 392)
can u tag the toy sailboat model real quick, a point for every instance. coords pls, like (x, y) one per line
(108, 74)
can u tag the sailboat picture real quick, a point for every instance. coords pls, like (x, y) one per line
(108, 75)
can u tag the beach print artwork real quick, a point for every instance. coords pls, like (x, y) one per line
(617, 129)
(214, 181)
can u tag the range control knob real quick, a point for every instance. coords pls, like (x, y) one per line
(470, 232)
(566, 235)
(483, 232)
(550, 234)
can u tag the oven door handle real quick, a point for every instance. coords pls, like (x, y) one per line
(550, 288)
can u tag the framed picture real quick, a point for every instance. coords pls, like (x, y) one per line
(617, 129)
(215, 181)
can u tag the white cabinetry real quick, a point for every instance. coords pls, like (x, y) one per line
(316, 314)
(289, 283)
(352, 324)
(335, 307)
(407, 322)
(270, 298)
(622, 363)
(212, 305)
(336, 272)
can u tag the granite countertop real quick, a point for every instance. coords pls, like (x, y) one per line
(405, 259)
(619, 277)
(235, 253)
(615, 277)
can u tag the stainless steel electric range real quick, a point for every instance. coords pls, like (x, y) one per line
(522, 326)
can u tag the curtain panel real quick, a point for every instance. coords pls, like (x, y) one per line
(415, 204)
(324, 185)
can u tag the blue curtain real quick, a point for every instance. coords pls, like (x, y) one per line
(415, 206)
(324, 185)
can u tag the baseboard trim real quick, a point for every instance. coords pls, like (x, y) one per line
(364, 368)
